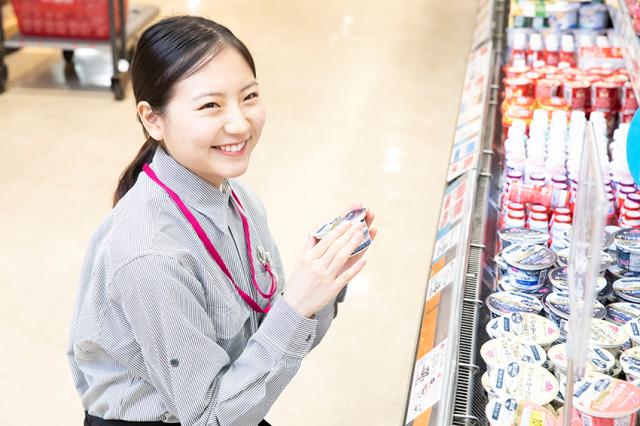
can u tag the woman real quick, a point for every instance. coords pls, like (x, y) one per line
(171, 322)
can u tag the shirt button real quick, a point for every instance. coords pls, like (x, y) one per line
(308, 338)
(174, 362)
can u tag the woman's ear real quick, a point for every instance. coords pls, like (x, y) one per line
(150, 120)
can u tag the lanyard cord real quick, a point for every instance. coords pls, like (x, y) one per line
(212, 250)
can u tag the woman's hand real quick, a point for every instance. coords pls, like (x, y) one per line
(324, 268)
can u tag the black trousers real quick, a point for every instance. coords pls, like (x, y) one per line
(90, 420)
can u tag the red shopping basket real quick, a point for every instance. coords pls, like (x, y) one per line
(84, 19)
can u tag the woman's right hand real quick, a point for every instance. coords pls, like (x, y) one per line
(320, 275)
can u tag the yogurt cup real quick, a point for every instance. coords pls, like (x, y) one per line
(616, 272)
(627, 289)
(522, 236)
(559, 305)
(502, 350)
(530, 414)
(605, 259)
(623, 312)
(506, 302)
(501, 411)
(633, 330)
(599, 360)
(491, 394)
(630, 361)
(523, 381)
(530, 327)
(608, 335)
(559, 279)
(527, 265)
(360, 215)
(628, 249)
(607, 402)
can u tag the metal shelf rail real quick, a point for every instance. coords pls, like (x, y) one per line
(121, 44)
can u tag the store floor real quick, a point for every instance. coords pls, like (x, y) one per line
(361, 100)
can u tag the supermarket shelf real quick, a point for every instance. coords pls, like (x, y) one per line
(630, 41)
(137, 18)
(461, 269)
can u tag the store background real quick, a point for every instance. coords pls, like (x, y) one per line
(361, 101)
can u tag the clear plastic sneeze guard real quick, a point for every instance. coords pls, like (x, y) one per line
(584, 262)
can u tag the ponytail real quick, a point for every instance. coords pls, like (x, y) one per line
(130, 175)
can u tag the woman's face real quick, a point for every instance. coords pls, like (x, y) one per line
(214, 118)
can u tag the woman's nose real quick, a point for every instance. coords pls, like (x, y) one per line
(237, 123)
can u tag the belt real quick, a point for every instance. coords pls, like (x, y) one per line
(90, 420)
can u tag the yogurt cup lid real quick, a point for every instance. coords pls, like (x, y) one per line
(607, 239)
(559, 305)
(529, 257)
(507, 302)
(500, 411)
(607, 335)
(623, 312)
(598, 359)
(630, 360)
(559, 277)
(627, 288)
(357, 214)
(504, 349)
(628, 239)
(523, 236)
(563, 258)
(606, 397)
(633, 330)
(531, 327)
(530, 414)
(327, 227)
(619, 272)
(524, 381)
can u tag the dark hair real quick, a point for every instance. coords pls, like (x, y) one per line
(167, 52)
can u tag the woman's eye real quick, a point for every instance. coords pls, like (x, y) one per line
(210, 105)
(251, 96)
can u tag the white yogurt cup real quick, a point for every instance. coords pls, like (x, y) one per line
(503, 350)
(608, 335)
(531, 327)
(633, 330)
(523, 381)
(500, 411)
(630, 360)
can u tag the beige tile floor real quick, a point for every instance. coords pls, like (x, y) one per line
(361, 98)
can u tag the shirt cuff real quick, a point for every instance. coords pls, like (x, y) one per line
(342, 294)
(290, 333)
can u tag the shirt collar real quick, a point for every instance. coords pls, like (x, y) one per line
(192, 189)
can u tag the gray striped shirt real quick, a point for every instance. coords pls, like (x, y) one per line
(159, 333)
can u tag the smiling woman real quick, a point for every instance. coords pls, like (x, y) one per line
(183, 315)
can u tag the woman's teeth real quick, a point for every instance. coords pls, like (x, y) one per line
(231, 148)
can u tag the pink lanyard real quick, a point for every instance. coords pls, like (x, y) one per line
(214, 253)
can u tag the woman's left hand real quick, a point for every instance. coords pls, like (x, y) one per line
(372, 234)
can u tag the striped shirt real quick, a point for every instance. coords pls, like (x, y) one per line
(159, 333)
